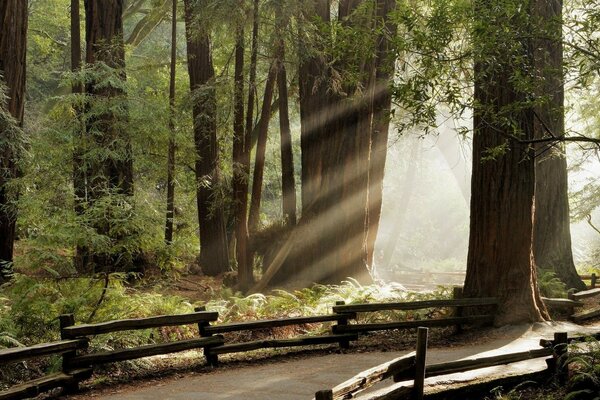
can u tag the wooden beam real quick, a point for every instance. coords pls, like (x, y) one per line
(584, 294)
(144, 351)
(584, 315)
(271, 323)
(370, 377)
(277, 343)
(15, 354)
(414, 324)
(420, 363)
(470, 364)
(37, 386)
(561, 303)
(416, 305)
(139, 323)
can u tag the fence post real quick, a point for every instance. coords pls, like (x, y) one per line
(560, 354)
(324, 395)
(344, 343)
(66, 320)
(594, 280)
(457, 293)
(571, 296)
(420, 363)
(211, 359)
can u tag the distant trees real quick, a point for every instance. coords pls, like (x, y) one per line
(13, 50)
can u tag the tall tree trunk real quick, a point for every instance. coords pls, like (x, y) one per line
(314, 103)
(13, 51)
(500, 259)
(112, 174)
(104, 44)
(82, 260)
(213, 236)
(240, 177)
(288, 180)
(381, 99)
(171, 150)
(261, 148)
(552, 233)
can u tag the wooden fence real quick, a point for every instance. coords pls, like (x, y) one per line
(412, 367)
(77, 364)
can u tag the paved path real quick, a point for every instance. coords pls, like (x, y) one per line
(300, 379)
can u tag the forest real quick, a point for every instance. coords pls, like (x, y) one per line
(269, 158)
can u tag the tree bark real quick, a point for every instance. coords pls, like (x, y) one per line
(500, 259)
(13, 52)
(112, 174)
(82, 255)
(552, 224)
(288, 179)
(171, 151)
(213, 236)
(314, 103)
(381, 99)
(261, 148)
(240, 177)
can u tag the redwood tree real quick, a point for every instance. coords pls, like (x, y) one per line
(500, 260)
(112, 173)
(214, 257)
(552, 224)
(13, 50)
(171, 150)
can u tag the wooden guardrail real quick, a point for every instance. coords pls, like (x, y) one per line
(69, 330)
(78, 365)
(593, 278)
(34, 387)
(213, 353)
(458, 304)
(413, 367)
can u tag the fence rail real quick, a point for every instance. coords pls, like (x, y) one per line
(413, 367)
(77, 364)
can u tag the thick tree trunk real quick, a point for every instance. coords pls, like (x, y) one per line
(240, 177)
(213, 237)
(552, 233)
(104, 39)
(13, 51)
(171, 150)
(500, 259)
(381, 98)
(314, 105)
(112, 174)
(261, 148)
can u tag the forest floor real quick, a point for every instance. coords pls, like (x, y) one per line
(298, 375)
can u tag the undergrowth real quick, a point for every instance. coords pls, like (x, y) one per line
(30, 306)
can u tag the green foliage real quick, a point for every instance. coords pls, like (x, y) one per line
(318, 300)
(550, 285)
(31, 307)
(584, 381)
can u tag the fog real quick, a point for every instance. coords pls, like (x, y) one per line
(425, 215)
